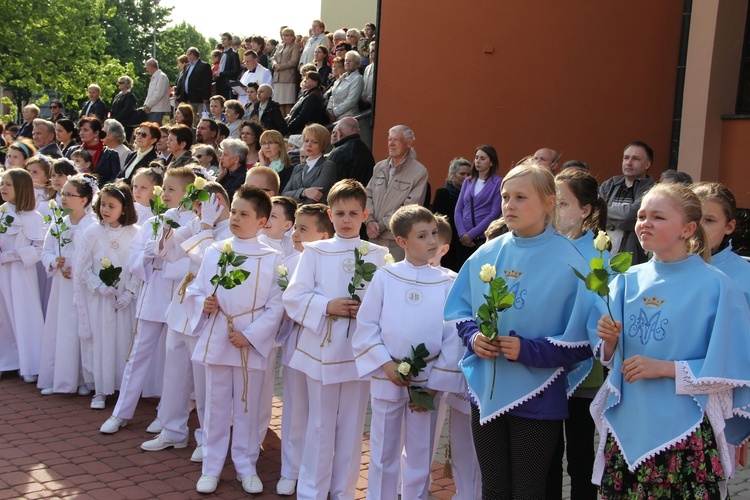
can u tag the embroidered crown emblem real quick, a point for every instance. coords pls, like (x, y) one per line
(652, 302)
(512, 274)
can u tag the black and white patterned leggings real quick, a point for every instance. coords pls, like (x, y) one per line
(514, 454)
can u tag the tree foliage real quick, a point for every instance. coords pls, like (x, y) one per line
(62, 46)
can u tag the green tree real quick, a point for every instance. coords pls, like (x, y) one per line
(174, 41)
(58, 45)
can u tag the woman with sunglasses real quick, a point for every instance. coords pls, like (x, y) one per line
(146, 136)
(56, 108)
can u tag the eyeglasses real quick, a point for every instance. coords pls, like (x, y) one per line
(121, 83)
(268, 143)
(69, 195)
(54, 107)
(143, 134)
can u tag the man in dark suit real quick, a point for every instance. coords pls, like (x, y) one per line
(197, 83)
(351, 155)
(95, 106)
(268, 112)
(229, 67)
(43, 136)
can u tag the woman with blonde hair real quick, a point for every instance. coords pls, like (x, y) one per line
(284, 64)
(273, 154)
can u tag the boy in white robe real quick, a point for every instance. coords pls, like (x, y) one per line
(153, 299)
(183, 376)
(401, 311)
(311, 224)
(237, 329)
(318, 298)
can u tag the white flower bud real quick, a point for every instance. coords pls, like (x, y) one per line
(602, 241)
(282, 271)
(364, 248)
(158, 191)
(106, 262)
(487, 273)
(227, 248)
(52, 204)
(404, 368)
(389, 259)
(199, 183)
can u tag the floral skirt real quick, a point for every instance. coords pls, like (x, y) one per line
(689, 469)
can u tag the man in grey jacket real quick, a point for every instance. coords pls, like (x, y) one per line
(623, 194)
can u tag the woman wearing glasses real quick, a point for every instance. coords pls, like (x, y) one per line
(207, 157)
(145, 141)
(56, 108)
(123, 105)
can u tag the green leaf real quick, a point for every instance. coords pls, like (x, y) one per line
(621, 262)
(47, 219)
(215, 280)
(603, 291)
(173, 224)
(421, 398)
(596, 279)
(487, 329)
(484, 311)
(153, 205)
(203, 195)
(9, 219)
(597, 263)
(369, 268)
(507, 301)
(67, 211)
(351, 289)
(239, 260)
(578, 273)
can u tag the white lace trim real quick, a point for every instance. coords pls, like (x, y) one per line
(572, 389)
(517, 402)
(457, 321)
(569, 345)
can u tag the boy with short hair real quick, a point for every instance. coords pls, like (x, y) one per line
(311, 224)
(318, 299)
(211, 224)
(265, 178)
(400, 312)
(237, 327)
(152, 300)
(466, 474)
(279, 224)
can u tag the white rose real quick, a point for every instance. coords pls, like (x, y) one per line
(487, 273)
(389, 259)
(199, 183)
(404, 368)
(227, 248)
(106, 262)
(602, 241)
(3, 208)
(52, 204)
(364, 248)
(282, 271)
(158, 191)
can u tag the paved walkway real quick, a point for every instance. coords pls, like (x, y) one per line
(50, 447)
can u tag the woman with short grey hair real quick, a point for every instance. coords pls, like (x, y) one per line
(115, 138)
(445, 204)
(123, 106)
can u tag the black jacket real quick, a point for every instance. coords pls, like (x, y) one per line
(231, 71)
(199, 84)
(272, 118)
(309, 109)
(123, 109)
(148, 158)
(107, 168)
(96, 108)
(353, 159)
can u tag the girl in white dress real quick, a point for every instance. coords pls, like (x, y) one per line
(106, 313)
(60, 370)
(21, 319)
(39, 167)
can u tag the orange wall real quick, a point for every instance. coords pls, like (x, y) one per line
(735, 150)
(581, 76)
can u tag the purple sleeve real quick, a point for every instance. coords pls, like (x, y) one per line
(494, 213)
(467, 330)
(458, 213)
(541, 353)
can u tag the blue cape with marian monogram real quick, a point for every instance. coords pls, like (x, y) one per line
(683, 311)
(550, 301)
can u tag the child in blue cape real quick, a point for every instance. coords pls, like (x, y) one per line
(516, 426)
(678, 358)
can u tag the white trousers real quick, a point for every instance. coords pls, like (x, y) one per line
(179, 376)
(225, 412)
(293, 422)
(333, 444)
(466, 474)
(265, 403)
(389, 418)
(137, 368)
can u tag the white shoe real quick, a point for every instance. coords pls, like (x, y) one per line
(98, 401)
(207, 484)
(155, 427)
(112, 425)
(161, 443)
(251, 484)
(286, 487)
(30, 379)
(83, 390)
(49, 391)
(197, 455)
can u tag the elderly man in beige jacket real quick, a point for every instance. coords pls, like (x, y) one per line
(396, 181)
(157, 99)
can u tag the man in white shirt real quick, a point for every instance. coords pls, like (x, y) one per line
(254, 72)
(157, 99)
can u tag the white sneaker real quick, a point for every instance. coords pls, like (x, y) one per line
(155, 427)
(49, 391)
(251, 484)
(98, 401)
(197, 455)
(162, 443)
(112, 425)
(207, 484)
(83, 390)
(30, 379)
(286, 487)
